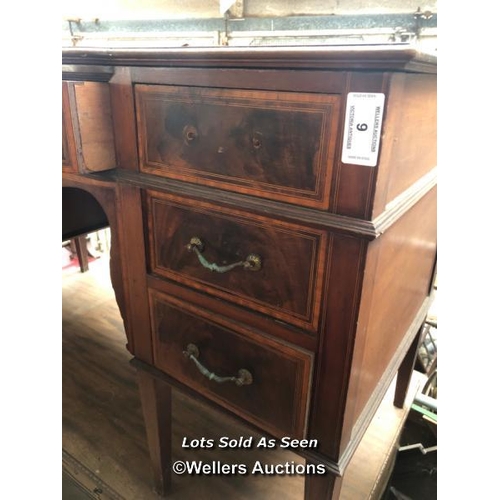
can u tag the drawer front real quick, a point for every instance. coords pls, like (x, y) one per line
(289, 282)
(88, 139)
(277, 145)
(69, 161)
(275, 383)
(66, 159)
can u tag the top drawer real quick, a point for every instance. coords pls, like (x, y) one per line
(277, 145)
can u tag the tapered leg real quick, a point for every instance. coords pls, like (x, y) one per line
(322, 487)
(157, 409)
(405, 371)
(81, 252)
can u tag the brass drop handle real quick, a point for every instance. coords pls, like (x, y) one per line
(253, 262)
(193, 353)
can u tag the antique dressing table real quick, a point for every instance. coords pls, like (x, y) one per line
(273, 224)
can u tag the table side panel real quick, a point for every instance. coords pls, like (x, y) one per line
(409, 147)
(400, 267)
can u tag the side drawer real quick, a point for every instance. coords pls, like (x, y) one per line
(275, 392)
(69, 161)
(288, 284)
(277, 145)
(88, 138)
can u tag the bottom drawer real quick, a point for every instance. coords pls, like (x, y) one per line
(271, 381)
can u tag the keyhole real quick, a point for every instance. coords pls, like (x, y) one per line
(190, 134)
(257, 140)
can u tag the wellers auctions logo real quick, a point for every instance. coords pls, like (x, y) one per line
(217, 467)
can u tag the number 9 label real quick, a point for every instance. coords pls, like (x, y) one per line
(362, 128)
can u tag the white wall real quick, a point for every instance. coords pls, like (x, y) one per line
(154, 9)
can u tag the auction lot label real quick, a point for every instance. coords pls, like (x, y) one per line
(362, 128)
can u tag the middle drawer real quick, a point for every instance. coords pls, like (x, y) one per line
(270, 266)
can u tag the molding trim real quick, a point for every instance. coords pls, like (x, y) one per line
(87, 73)
(402, 203)
(382, 57)
(369, 230)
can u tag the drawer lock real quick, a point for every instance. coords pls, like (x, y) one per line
(190, 134)
(244, 376)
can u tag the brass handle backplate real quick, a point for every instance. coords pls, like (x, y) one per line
(253, 262)
(193, 353)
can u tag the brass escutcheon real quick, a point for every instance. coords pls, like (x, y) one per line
(190, 134)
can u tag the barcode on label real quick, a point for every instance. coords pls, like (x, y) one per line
(362, 128)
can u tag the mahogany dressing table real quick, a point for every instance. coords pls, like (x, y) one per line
(273, 225)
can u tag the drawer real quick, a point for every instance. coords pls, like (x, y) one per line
(277, 145)
(273, 379)
(69, 161)
(270, 266)
(88, 138)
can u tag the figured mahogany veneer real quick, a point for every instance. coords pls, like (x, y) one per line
(226, 348)
(289, 283)
(240, 150)
(277, 145)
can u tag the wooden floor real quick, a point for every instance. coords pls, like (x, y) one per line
(104, 442)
